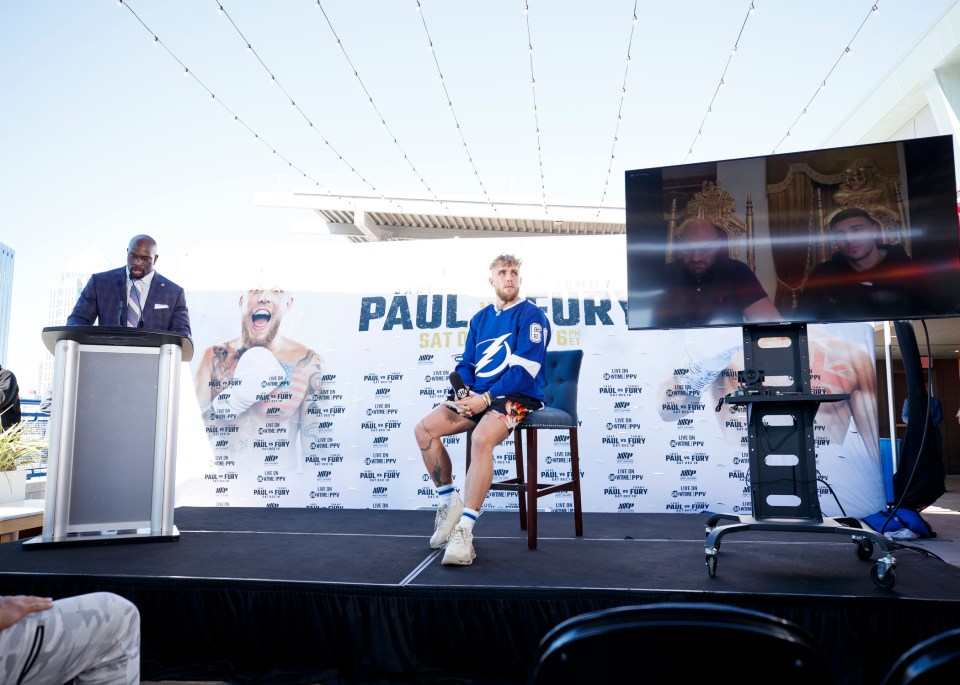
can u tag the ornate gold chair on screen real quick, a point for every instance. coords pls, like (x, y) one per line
(717, 205)
(802, 203)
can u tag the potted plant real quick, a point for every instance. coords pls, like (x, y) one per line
(18, 447)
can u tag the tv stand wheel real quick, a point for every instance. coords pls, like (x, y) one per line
(712, 565)
(864, 549)
(889, 579)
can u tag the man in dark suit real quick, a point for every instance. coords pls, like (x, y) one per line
(134, 295)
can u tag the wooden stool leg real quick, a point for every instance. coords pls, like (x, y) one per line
(518, 451)
(575, 477)
(466, 466)
(532, 488)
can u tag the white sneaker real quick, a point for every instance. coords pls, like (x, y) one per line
(447, 519)
(460, 550)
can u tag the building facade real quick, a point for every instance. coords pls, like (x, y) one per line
(6, 298)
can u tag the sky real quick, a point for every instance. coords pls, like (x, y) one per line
(106, 132)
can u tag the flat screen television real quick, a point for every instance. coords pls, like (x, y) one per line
(861, 233)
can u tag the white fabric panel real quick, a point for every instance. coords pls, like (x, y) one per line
(386, 353)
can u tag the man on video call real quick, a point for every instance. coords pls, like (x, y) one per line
(134, 295)
(865, 277)
(705, 287)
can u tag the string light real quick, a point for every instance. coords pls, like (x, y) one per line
(616, 128)
(373, 104)
(536, 116)
(453, 113)
(733, 52)
(187, 72)
(273, 79)
(823, 83)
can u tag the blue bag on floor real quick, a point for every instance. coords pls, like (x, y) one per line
(904, 518)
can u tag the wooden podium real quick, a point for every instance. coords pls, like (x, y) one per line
(112, 434)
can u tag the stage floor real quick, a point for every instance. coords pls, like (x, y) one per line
(374, 568)
(652, 552)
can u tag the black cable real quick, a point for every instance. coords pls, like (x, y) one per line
(923, 436)
(835, 498)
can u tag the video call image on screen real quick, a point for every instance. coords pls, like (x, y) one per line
(864, 233)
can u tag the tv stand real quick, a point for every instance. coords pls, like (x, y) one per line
(781, 406)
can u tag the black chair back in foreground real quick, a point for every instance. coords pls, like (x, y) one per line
(931, 662)
(671, 642)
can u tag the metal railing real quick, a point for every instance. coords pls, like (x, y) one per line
(37, 420)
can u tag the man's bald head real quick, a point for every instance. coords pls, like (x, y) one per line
(699, 244)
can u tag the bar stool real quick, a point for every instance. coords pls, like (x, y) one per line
(558, 414)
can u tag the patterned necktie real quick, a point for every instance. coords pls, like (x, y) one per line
(133, 307)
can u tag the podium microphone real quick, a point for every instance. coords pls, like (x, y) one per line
(459, 389)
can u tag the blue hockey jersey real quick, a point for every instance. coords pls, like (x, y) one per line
(506, 351)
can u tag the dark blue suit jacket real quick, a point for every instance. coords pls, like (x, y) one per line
(104, 300)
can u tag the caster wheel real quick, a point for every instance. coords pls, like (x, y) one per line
(887, 582)
(712, 565)
(864, 550)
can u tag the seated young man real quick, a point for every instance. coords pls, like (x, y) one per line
(503, 369)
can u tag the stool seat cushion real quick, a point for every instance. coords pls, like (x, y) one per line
(548, 417)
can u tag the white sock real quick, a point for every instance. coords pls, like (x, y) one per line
(446, 493)
(468, 518)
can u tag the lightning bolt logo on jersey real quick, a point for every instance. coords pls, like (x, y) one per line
(505, 351)
(495, 357)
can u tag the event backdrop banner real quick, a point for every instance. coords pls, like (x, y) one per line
(309, 398)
